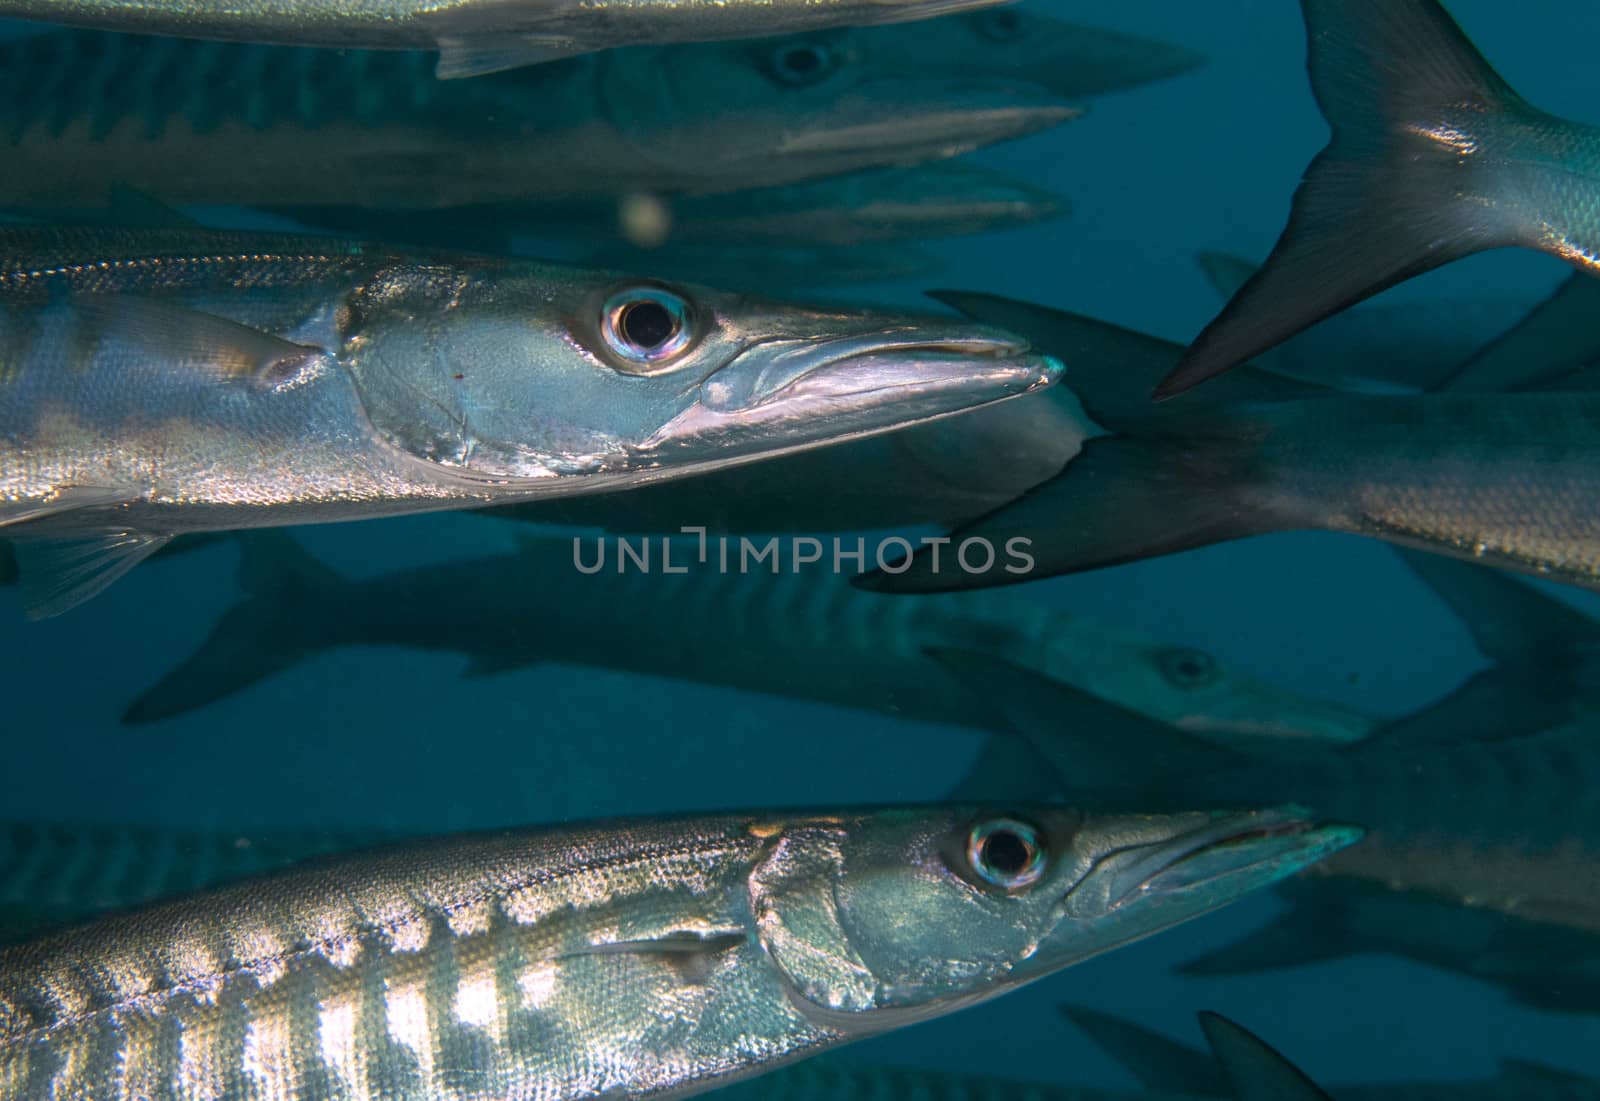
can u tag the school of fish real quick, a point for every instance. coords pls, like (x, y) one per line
(600, 273)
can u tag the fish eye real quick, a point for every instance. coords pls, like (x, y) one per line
(999, 24)
(646, 326)
(1006, 853)
(1189, 668)
(802, 63)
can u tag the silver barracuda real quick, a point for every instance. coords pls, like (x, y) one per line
(805, 634)
(163, 381)
(638, 959)
(479, 36)
(285, 128)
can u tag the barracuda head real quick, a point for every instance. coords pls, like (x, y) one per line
(911, 914)
(541, 373)
(819, 104)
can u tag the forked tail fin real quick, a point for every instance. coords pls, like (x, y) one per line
(1411, 179)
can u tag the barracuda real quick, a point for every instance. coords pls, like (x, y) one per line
(164, 381)
(629, 959)
(805, 634)
(479, 36)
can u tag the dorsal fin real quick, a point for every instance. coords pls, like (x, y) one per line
(1510, 620)
(1557, 339)
(1257, 1070)
(1090, 743)
(1160, 1063)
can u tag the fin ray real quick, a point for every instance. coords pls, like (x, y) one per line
(59, 574)
(464, 56)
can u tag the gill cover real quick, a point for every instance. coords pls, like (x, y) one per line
(796, 906)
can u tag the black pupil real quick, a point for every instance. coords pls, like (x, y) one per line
(647, 324)
(803, 60)
(1006, 853)
(1189, 667)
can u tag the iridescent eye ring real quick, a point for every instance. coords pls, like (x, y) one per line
(1006, 853)
(646, 325)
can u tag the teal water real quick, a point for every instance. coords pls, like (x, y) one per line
(400, 739)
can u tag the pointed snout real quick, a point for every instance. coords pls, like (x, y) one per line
(790, 394)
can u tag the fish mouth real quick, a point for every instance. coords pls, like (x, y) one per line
(786, 395)
(930, 132)
(1226, 857)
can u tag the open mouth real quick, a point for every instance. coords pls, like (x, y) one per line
(958, 127)
(1266, 844)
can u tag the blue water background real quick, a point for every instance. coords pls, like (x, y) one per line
(362, 737)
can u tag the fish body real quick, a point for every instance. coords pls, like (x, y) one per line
(1508, 480)
(879, 206)
(478, 36)
(166, 381)
(805, 633)
(1433, 157)
(55, 874)
(284, 128)
(524, 964)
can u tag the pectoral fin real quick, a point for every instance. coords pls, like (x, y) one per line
(678, 941)
(462, 56)
(66, 499)
(689, 953)
(175, 338)
(60, 574)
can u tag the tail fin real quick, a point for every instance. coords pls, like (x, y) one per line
(265, 632)
(1123, 499)
(1161, 1064)
(1257, 1071)
(1398, 191)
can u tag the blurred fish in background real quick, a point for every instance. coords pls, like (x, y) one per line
(474, 37)
(294, 129)
(805, 633)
